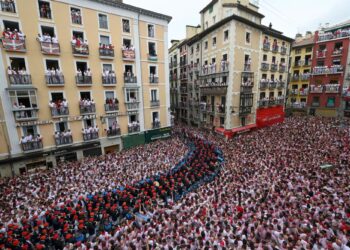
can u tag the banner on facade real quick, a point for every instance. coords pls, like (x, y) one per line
(128, 54)
(13, 45)
(50, 48)
(130, 141)
(155, 134)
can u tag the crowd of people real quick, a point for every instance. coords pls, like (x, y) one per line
(47, 38)
(18, 76)
(45, 10)
(30, 142)
(59, 107)
(108, 76)
(87, 106)
(13, 34)
(281, 187)
(63, 137)
(54, 76)
(90, 133)
(76, 16)
(8, 6)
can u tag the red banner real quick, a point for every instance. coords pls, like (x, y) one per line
(14, 45)
(269, 116)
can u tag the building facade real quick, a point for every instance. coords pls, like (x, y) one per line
(80, 78)
(220, 70)
(300, 73)
(328, 94)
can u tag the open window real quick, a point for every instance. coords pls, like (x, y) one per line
(129, 70)
(23, 98)
(45, 9)
(132, 95)
(11, 25)
(154, 95)
(126, 25)
(127, 42)
(57, 97)
(85, 95)
(8, 6)
(150, 28)
(105, 40)
(78, 35)
(52, 64)
(152, 49)
(76, 16)
(82, 67)
(47, 30)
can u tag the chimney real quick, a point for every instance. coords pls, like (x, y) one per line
(298, 37)
(308, 34)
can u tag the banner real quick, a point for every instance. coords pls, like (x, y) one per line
(152, 135)
(14, 45)
(50, 48)
(128, 54)
(269, 116)
(130, 141)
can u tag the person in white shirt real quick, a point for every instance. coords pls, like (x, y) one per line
(21, 36)
(54, 39)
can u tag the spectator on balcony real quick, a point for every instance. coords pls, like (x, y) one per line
(7, 33)
(88, 73)
(46, 38)
(45, 11)
(54, 40)
(14, 35)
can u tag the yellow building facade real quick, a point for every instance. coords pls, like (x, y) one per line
(102, 78)
(300, 72)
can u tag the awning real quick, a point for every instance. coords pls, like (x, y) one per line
(243, 129)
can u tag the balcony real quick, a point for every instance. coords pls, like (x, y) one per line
(274, 67)
(87, 109)
(106, 53)
(133, 128)
(12, 45)
(332, 88)
(247, 67)
(263, 103)
(304, 91)
(246, 88)
(275, 48)
(316, 89)
(245, 110)
(49, 48)
(266, 46)
(80, 50)
(305, 77)
(335, 35)
(17, 79)
(294, 91)
(272, 84)
(263, 84)
(307, 62)
(63, 139)
(224, 67)
(220, 110)
(83, 80)
(282, 68)
(154, 79)
(128, 54)
(279, 100)
(325, 70)
(155, 103)
(299, 63)
(111, 107)
(295, 78)
(337, 52)
(132, 106)
(155, 124)
(281, 84)
(130, 79)
(110, 79)
(32, 146)
(25, 114)
(321, 54)
(265, 66)
(152, 57)
(54, 80)
(90, 136)
(61, 111)
(297, 105)
(8, 6)
(113, 132)
(283, 50)
(214, 88)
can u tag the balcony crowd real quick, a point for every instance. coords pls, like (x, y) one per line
(13, 34)
(264, 198)
(30, 142)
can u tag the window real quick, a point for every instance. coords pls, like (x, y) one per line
(109, 94)
(192, 50)
(52, 64)
(26, 98)
(47, 31)
(89, 123)
(152, 49)
(297, 51)
(150, 29)
(308, 50)
(107, 67)
(154, 95)
(8, 6)
(273, 59)
(206, 45)
(17, 63)
(214, 41)
(11, 25)
(44, 9)
(133, 118)
(82, 67)
(79, 35)
(128, 69)
(316, 101)
(30, 130)
(76, 16)
(331, 102)
(57, 97)
(225, 35)
(247, 37)
(155, 116)
(105, 40)
(85, 95)
(153, 70)
(132, 95)
(127, 42)
(103, 21)
(126, 25)
(61, 126)
(265, 58)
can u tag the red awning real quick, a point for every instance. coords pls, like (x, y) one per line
(220, 131)
(243, 129)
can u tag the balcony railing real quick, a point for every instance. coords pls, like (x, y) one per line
(337, 52)
(275, 48)
(283, 50)
(130, 79)
(48, 48)
(8, 6)
(153, 57)
(294, 92)
(263, 103)
(272, 85)
(130, 106)
(304, 92)
(305, 77)
(13, 45)
(128, 54)
(113, 132)
(109, 80)
(322, 70)
(25, 114)
(133, 128)
(281, 84)
(295, 78)
(246, 89)
(62, 139)
(90, 136)
(32, 146)
(155, 103)
(155, 124)
(80, 50)
(54, 79)
(61, 111)
(332, 88)
(321, 54)
(17, 79)
(316, 89)
(300, 105)
(106, 52)
(263, 84)
(265, 66)
(337, 34)
(154, 79)
(274, 67)
(247, 67)
(83, 80)
(282, 68)
(85, 109)
(112, 107)
(266, 46)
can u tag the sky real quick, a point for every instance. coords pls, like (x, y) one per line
(289, 16)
